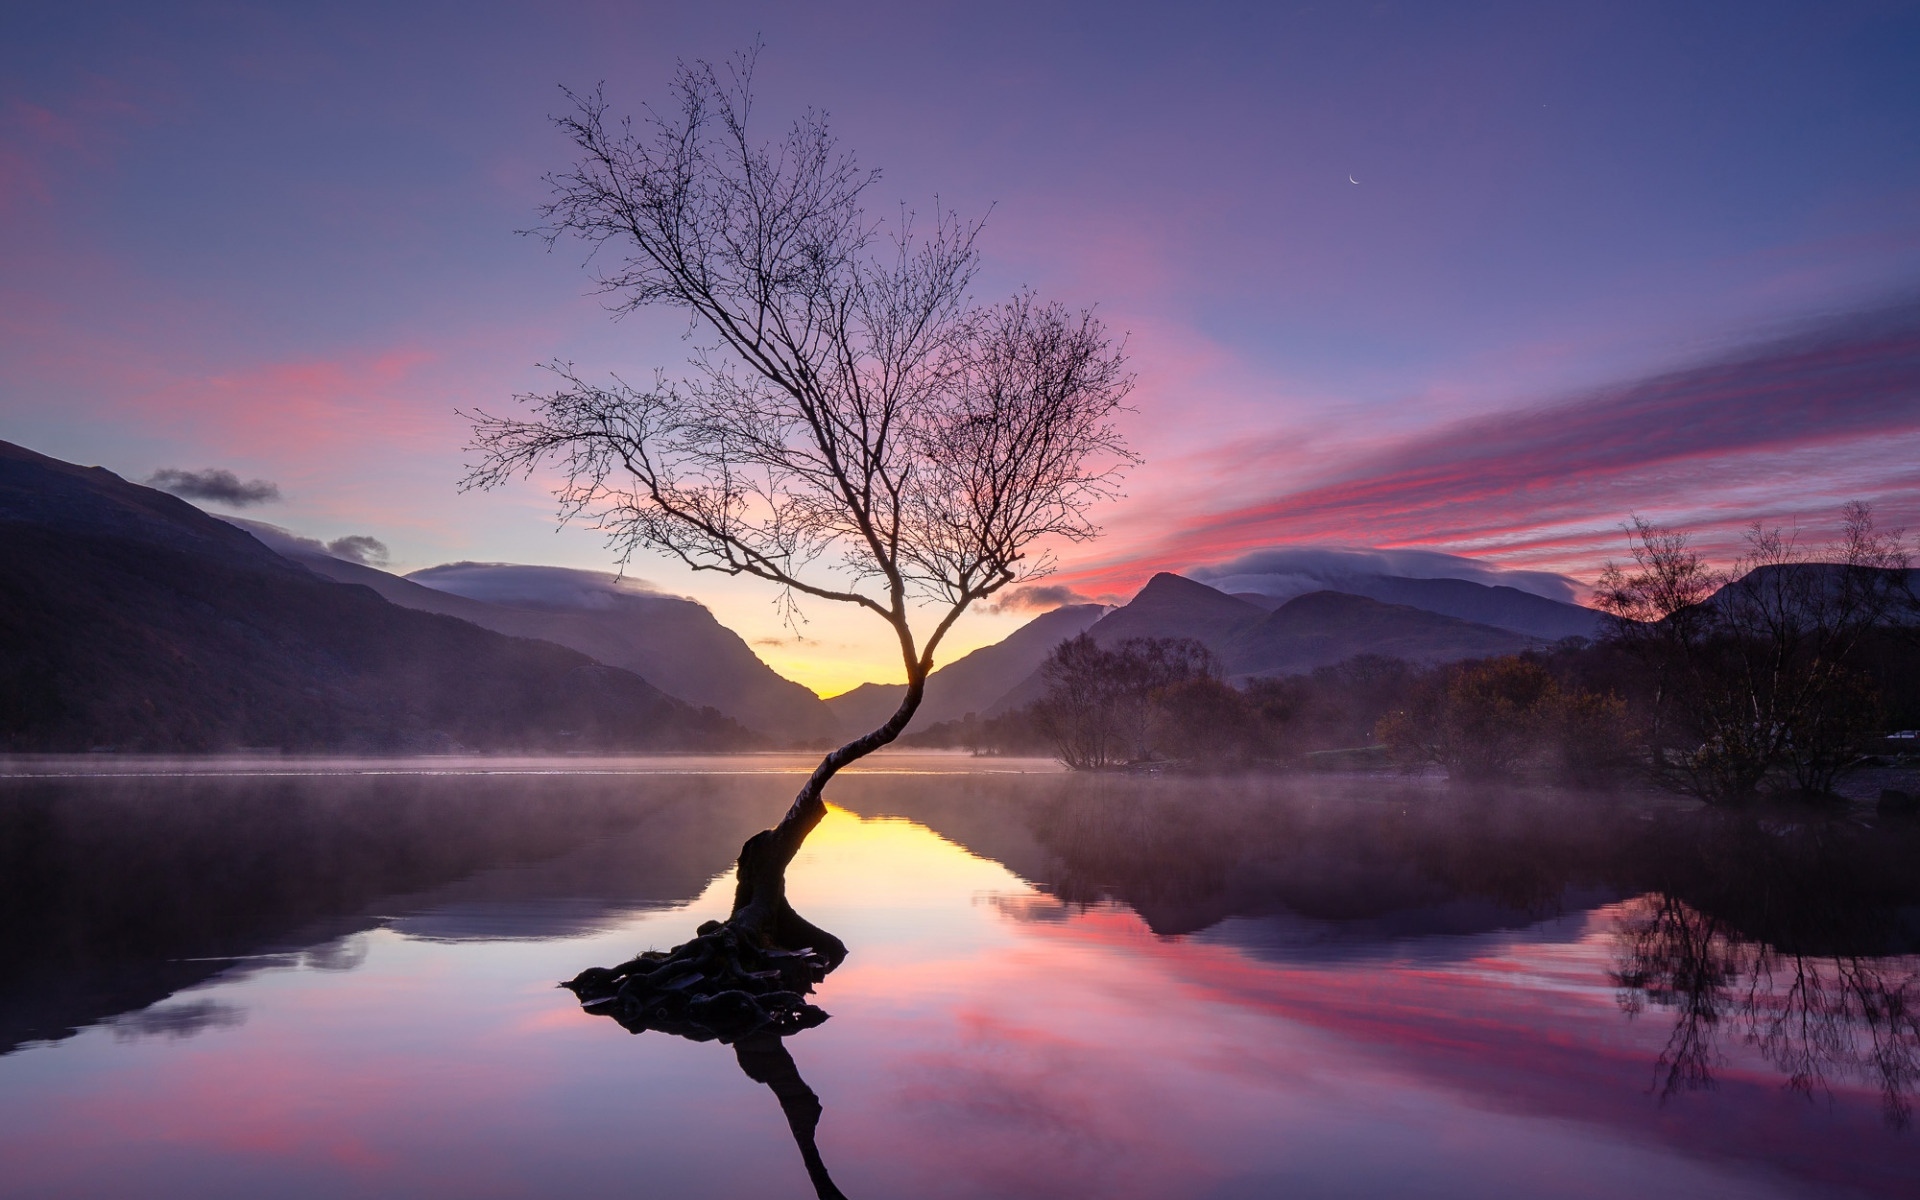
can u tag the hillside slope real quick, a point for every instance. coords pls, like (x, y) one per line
(1497, 605)
(1320, 629)
(672, 643)
(1317, 629)
(130, 619)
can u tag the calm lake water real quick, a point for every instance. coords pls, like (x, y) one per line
(290, 979)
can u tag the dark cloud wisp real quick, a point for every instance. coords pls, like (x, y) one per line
(215, 484)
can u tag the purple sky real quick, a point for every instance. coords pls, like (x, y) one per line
(1599, 258)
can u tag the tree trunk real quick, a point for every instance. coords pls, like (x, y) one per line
(749, 975)
(760, 908)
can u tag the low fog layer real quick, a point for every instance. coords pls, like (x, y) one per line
(1287, 571)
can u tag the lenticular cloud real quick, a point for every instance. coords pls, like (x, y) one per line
(1285, 571)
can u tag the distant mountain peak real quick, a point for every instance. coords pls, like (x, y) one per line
(974, 681)
(1168, 590)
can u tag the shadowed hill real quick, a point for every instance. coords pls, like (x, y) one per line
(1323, 628)
(1499, 606)
(1318, 629)
(672, 643)
(130, 619)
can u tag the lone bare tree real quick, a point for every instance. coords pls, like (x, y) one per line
(851, 427)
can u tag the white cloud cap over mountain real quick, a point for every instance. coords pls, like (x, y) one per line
(1287, 571)
(523, 586)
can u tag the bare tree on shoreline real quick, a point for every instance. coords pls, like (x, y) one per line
(854, 428)
(1757, 671)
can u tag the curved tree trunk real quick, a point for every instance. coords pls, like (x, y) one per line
(760, 908)
(750, 974)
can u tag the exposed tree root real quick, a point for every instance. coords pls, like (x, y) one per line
(732, 984)
(720, 986)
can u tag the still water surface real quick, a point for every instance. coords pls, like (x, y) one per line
(337, 979)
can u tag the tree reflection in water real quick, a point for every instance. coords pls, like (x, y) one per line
(1819, 1019)
(720, 987)
(764, 1057)
(1799, 930)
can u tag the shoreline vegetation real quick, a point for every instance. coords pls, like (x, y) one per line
(1785, 676)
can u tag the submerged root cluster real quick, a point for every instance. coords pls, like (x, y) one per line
(717, 987)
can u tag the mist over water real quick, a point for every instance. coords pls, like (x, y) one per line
(296, 978)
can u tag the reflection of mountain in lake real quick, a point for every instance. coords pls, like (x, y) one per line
(115, 893)
(1305, 867)
(1448, 932)
(1379, 862)
(130, 619)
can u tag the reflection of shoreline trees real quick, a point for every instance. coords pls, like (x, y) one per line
(1803, 937)
(1797, 934)
(1186, 853)
(1818, 1019)
(117, 892)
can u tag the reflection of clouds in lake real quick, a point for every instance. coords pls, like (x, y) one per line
(176, 1021)
(346, 954)
(1028, 907)
(1525, 1023)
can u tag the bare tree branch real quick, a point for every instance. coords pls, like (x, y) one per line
(853, 427)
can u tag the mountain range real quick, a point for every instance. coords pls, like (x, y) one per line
(131, 620)
(673, 643)
(1496, 605)
(1251, 634)
(1313, 630)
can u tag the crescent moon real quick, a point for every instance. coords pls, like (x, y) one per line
(1353, 181)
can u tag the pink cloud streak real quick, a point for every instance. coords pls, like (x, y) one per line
(1785, 429)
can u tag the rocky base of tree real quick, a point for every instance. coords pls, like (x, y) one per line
(717, 987)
